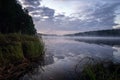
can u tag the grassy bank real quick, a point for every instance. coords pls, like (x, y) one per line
(17, 52)
(101, 71)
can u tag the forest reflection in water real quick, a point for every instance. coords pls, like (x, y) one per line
(64, 53)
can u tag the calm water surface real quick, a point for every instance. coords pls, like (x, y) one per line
(64, 53)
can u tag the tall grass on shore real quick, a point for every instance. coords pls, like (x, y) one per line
(101, 71)
(16, 47)
(19, 54)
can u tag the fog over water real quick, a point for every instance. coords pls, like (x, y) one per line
(64, 53)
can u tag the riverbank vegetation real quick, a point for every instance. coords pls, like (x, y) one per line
(19, 44)
(17, 52)
(101, 71)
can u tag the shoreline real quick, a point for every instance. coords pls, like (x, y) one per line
(19, 54)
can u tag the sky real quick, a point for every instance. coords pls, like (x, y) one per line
(72, 16)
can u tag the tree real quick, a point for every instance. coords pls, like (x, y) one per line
(13, 19)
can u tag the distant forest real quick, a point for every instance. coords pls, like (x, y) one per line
(111, 32)
(14, 19)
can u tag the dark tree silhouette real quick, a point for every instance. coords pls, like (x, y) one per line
(14, 19)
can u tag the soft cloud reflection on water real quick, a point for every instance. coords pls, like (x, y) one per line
(64, 53)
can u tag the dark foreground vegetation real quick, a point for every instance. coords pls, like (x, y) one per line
(101, 71)
(14, 19)
(17, 52)
(19, 45)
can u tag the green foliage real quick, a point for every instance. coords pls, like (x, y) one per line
(15, 48)
(33, 49)
(11, 52)
(13, 19)
(101, 71)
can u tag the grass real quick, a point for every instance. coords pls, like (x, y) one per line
(101, 71)
(33, 49)
(19, 54)
(10, 53)
(16, 47)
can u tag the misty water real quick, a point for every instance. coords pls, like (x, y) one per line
(64, 53)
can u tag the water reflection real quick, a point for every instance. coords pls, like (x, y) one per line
(116, 54)
(64, 53)
(100, 40)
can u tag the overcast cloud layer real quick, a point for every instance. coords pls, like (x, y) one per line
(69, 16)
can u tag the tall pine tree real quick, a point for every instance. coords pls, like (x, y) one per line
(13, 19)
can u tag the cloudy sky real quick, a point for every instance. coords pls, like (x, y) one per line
(70, 16)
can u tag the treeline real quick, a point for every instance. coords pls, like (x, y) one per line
(112, 32)
(14, 19)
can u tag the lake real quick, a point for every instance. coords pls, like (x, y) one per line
(65, 55)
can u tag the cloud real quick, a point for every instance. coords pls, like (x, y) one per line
(36, 11)
(34, 3)
(96, 15)
(42, 13)
(106, 14)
